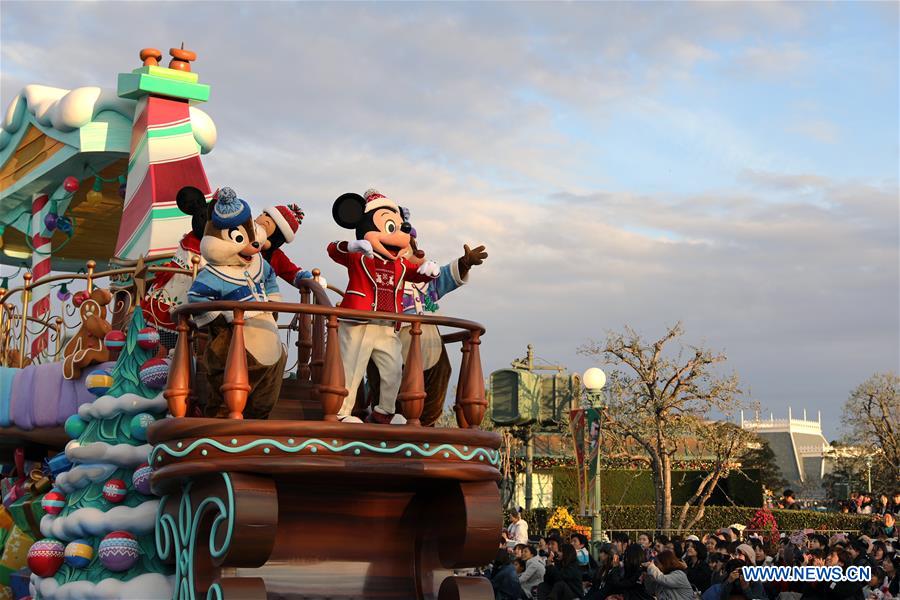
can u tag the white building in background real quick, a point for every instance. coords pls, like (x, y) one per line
(801, 451)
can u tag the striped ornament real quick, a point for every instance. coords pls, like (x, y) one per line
(119, 551)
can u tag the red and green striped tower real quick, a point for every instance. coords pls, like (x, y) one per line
(165, 155)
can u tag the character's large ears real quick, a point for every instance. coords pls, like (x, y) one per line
(191, 201)
(348, 210)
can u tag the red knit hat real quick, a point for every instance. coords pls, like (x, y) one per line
(287, 219)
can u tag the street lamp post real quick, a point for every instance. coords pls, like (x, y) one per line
(594, 379)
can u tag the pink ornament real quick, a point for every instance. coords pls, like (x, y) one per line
(53, 502)
(70, 184)
(114, 490)
(45, 557)
(148, 338)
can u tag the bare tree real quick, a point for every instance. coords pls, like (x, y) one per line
(658, 398)
(872, 420)
(723, 443)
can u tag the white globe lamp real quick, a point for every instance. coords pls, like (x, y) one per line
(594, 379)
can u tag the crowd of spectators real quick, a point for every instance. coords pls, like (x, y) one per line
(693, 567)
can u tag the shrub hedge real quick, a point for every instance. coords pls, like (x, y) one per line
(715, 517)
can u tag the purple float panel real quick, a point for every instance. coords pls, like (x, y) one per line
(20, 399)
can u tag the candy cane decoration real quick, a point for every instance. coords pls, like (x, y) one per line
(40, 268)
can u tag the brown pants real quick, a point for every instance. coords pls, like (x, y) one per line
(265, 380)
(437, 380)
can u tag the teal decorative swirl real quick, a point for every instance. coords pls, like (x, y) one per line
(492, 456)
(177, 539)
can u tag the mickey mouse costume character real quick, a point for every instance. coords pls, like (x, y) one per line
(377, 272)
(419, 299)
(235, 271)
(281, 224)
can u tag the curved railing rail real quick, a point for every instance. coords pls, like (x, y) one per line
(327, 374)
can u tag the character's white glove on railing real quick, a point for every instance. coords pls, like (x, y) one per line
(429, 268)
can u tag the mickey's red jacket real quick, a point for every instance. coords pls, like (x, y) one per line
(362, 286)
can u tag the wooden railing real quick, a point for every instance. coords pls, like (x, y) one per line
(320, 339)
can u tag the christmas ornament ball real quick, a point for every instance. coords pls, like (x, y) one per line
(119, 551)
(115, 339)
(53, 502)
(154, 373)
(141, 479)
(148, 338)
(114, 490)
(79, 554)
(139, 424)
(45, 557)
(70, 184)
(98, 382)
(75, 426)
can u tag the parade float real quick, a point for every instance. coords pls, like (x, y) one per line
(113, 485)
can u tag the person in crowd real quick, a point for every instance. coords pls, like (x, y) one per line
(865, 505)
(874, 590)
(859, 553)
(842, 590)
(517, 531)
(736, 584)
(517, 550)
(888, 527)
(620, 541)
(879, 551)
(503, 577)
(709, 540)
(884, 504)
(789, 501)
(759, 551)
(895, 503)
(697, 569)
(644, 540)
(553, 544)
(604, 567)
(543, 547)
(519, 564)
(660, 543)
(818, 542)
(586, 562)
(667, 579)
(891, 567)
(562, 578)
(717, 563)
(746, 553)
(533, 575)
(814, 590)
(625, 577)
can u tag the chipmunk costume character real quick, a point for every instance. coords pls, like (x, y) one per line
(235, 271)
(281, 224)
(377, 274)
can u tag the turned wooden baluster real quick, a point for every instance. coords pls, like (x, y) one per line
(412, 385)
(318, 340)
(304, 340)
(178, 385)
(333, 388)
(473, 402)
(461, 385)
(236, 386)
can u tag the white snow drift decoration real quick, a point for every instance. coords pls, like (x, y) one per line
(121, 455)
(66, 110)
(89, 521)
(150, 586)
(81, 475)
(106, 407)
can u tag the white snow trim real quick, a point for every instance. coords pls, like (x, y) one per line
(89, 521)
(106, 407)
(67, 110)
(149, 586)
(121, 455)
(81, 475)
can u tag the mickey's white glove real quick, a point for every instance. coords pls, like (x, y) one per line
(363, 246)
(429, 268)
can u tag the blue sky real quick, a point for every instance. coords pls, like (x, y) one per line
(731, 165)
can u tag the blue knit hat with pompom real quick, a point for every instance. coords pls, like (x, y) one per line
(229, 210)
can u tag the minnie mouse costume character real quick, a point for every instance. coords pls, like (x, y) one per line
(377, 272)
(281, 224)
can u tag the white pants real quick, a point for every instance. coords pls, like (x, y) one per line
(430, 343)
(359, 343)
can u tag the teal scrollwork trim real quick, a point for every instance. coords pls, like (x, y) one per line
(176, 539)
(407, 448)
